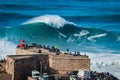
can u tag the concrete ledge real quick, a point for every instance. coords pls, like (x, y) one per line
(24, 52)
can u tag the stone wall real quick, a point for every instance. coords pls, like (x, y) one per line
(10, 66)
(2, 66)
(20, 66)
(23, 67)
(5, 76)
(24, 52)
(65, 64)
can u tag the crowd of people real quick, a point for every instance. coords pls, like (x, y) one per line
(57, 51)
(23, 45)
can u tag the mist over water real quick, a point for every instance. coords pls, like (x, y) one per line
(91, 27)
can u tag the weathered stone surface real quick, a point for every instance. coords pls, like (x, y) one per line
(24, 51)
(2, 66)
(22, 65)
(5, 76)
(64, 64)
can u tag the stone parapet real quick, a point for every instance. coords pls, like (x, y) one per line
(65, 64)
(24, 52)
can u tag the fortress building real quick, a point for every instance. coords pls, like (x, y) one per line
(44, 59)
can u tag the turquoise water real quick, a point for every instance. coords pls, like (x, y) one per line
(82, 25)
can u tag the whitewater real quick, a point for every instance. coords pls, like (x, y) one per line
(81, 39)
(52, 20)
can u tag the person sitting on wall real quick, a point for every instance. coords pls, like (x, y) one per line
(22, 44)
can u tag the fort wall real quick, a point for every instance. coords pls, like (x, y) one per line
(24, 52)
(65, 64)
(10, 66)
(28, 60)
(22, 65)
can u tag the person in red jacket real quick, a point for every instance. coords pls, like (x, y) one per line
(22, 44)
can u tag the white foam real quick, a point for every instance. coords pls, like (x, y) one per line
(70, 39)
(61, 34)
(6, 48)
(97, 36)
(82, 33)
(105, 63)
(52, 20)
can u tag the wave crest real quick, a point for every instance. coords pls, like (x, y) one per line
(52, 20)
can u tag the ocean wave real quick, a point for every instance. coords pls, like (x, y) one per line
(52, 20)
(41, 32)
(53, 29)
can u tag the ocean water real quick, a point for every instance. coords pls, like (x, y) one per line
(89, 26)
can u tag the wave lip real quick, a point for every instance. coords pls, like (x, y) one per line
(82, 33)
(52, 20)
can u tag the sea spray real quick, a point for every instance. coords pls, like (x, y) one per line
(6, 48)
(105, 63)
